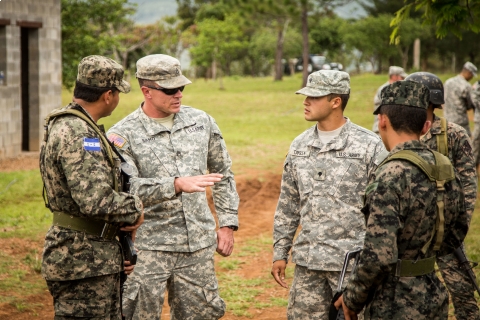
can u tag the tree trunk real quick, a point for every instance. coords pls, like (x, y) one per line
(279, 51)
(305, 42)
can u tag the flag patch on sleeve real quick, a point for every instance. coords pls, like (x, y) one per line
(91, 144)
(117, 140)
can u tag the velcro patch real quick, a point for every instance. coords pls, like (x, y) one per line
(351, 155)
(300, 153)
(117, 140)
(91, 144)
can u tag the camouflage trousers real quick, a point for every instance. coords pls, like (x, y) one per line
(189, 278)
(460, 288)
(311, 294)
(476, 142)
(96, 298)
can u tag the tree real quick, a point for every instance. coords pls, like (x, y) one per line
(448, 16)
(86, 30)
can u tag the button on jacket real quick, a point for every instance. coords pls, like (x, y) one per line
(194, 146)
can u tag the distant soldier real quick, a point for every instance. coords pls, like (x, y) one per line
(476, 122)
(324, 178)
(82, 259)
(458, 96)
(395, 74)
(453, 141)
(395, 276)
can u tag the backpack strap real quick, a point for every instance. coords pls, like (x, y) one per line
(442, 138)
(440, 173)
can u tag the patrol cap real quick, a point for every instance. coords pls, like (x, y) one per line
(323, 82)
(405, 93)
(102, 72)
(163, 69)
(394, 70)
(433, 83)
(470, 67)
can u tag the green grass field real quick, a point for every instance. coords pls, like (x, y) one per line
(258, 117)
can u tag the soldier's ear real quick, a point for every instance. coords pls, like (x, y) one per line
(426, 127)
(382, 121)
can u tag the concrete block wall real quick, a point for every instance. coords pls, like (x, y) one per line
(45, 63)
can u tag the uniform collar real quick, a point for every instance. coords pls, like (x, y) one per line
(338, 143)
(180, 120)
(409, 145)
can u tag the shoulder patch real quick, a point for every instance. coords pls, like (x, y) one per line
(117, 140)
(91, 144)
(381, 156)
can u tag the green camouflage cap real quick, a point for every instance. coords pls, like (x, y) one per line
(323, 82)
(405, 93)
(163, 69)
(102, 72)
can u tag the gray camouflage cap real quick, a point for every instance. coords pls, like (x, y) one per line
(470, 67)
(323, 82)
(405, 93)
(394, 70)
(163, 69)
(102, 72)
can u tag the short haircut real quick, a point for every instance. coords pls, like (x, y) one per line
(146, 83)
(343, 97)
(90, 93)
(404, 118)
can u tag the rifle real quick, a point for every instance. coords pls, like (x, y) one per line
(333, 313)
(465, 265)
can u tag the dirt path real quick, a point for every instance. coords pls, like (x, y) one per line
(258, 193)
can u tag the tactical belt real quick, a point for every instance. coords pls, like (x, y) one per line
(413, 268)
(97, 228)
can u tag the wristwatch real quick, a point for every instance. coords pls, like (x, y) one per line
(234, 228)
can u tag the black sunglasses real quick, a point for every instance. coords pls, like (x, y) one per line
(169, 92)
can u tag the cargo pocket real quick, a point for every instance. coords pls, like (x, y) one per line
(214, 303)
(80, 308)
(129, 300)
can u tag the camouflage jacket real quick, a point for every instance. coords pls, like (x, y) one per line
(376, 102)
(458, 99)
(322, 189)
(462, 158)
(401, 208)
(194, 146)
(80, 182)
(476, 101)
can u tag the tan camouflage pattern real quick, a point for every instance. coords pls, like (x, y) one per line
(189, 278)
(377, 100)
(321, 191)
(80, 183)
(99, 71)
(401, 214)
(311, 294)
(96, 298)
(405, 93)
(323, 82)
(458, 99)
(194, 146)
(461, 155)
(476, 121)
(163, 69)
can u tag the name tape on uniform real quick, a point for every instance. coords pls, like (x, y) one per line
(91, 144)
(195, 129)
(301, 153)
(351, 155)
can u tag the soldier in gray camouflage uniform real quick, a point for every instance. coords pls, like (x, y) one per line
(395, 74)
(401, 209)
(172, 148)
(82, 259)
(458, 96)
(459, 151)
(476, 122)
(324, 178)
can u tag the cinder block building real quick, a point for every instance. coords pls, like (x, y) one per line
(30, 71)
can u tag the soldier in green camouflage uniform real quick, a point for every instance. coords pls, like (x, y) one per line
(325, 174)
(172, 148)
(82, 267)
(401, 209)
(458, 96)
(459, 151)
